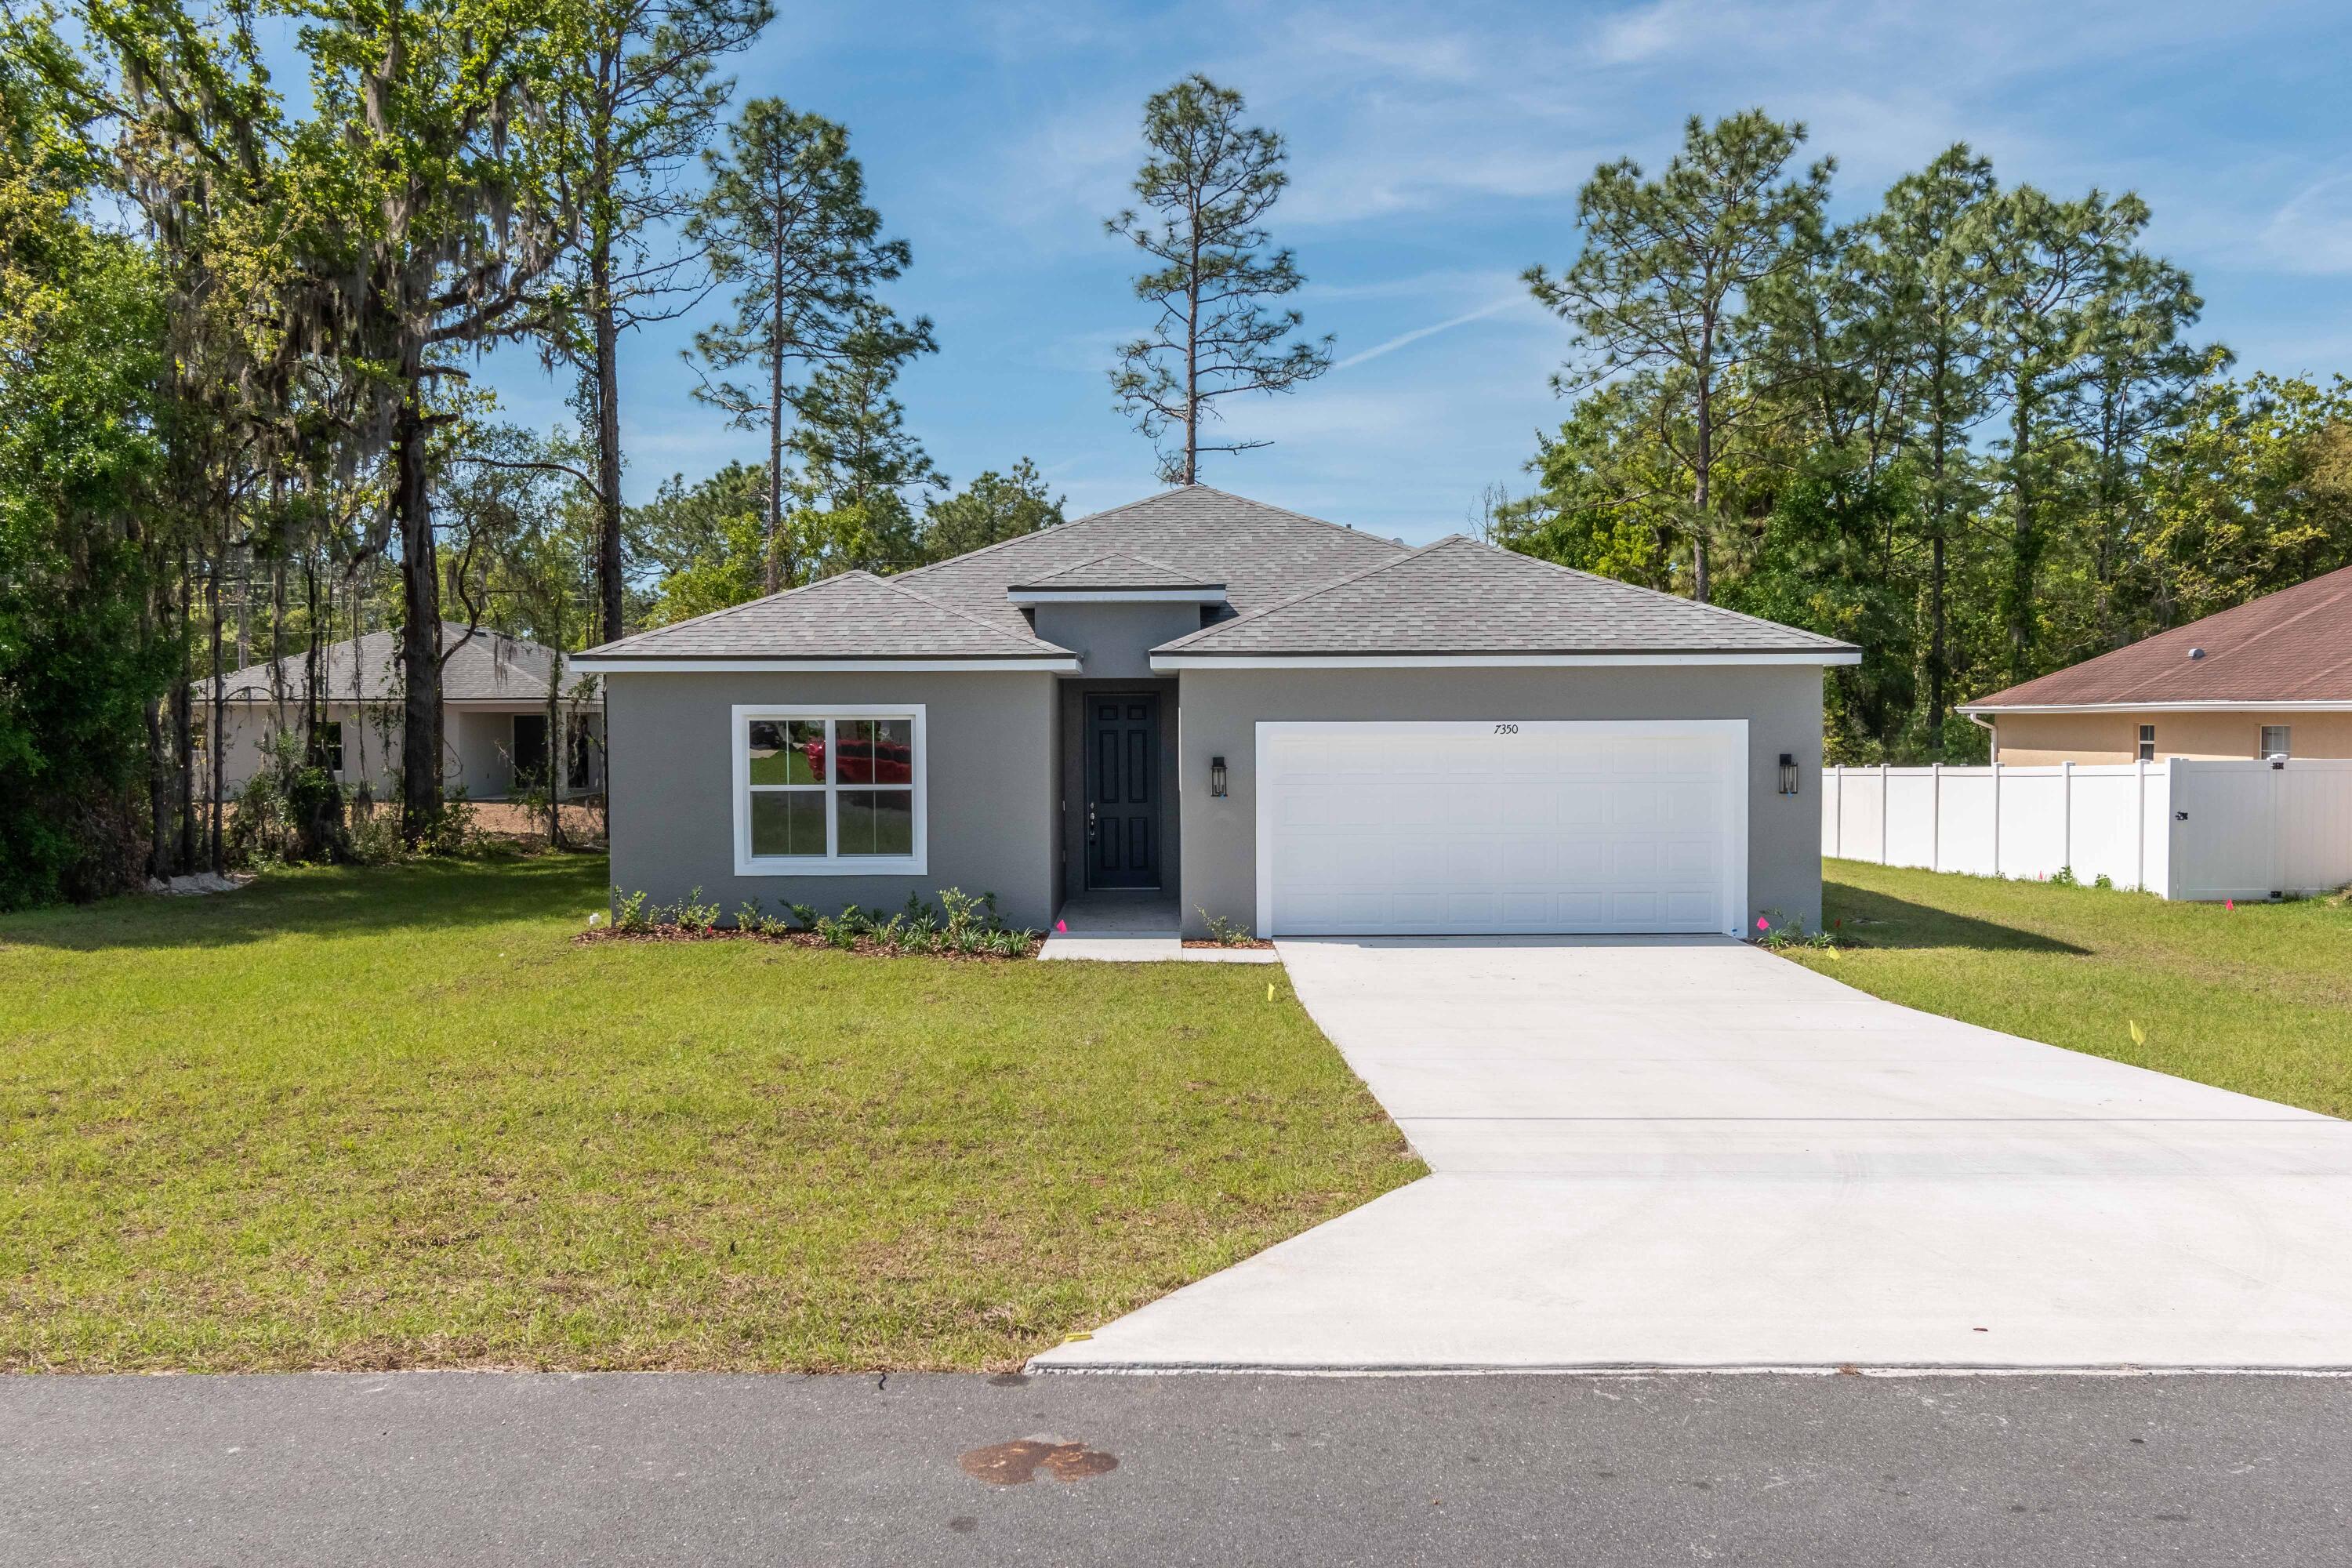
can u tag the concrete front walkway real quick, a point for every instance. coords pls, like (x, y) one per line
(1689, 1153)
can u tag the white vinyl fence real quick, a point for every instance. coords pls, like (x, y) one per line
(2182, 829)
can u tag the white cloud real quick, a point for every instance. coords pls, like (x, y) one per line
(2312, 230)
(1417, 333)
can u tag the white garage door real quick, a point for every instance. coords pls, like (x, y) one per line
(1411, 828)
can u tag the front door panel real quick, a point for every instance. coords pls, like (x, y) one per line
(1122, 790)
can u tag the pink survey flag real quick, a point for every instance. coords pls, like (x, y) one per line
(1062, 926)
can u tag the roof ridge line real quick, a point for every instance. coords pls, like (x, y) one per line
(1660, 593)
(731, 609)
(1028, 643)
(1069, 522)
(1411, 553)
(1301, 516)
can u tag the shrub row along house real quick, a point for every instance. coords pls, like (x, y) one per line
(495, 693)
(1198, 706)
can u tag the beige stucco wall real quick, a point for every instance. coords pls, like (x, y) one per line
(2041, 739)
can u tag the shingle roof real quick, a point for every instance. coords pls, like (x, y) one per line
(2293, 646)
(1120, 569)
(1459, 596)
(1262, 554)
(854, 615)
(488, 666)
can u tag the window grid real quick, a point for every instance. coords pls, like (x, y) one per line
(2147, 742)
(832, 787)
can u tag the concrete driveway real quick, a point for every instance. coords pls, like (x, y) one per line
(1689, 1153)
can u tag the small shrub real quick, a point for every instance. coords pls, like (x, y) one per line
(629, 912)
(452, 831)
(805, 915)
(696, 916)
(376, 837)
(2064, 878)
(1224, 932)
(1776, 933)
(2104, 882)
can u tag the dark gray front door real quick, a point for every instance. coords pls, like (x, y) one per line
(1122, 790)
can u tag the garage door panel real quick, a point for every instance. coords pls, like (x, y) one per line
(1691, 911)
(1413, 827)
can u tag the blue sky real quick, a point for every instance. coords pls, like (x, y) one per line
(1435, 151)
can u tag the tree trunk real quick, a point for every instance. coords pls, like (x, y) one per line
(1193, 355)
(771, 578)
(184, 739)
(420, 636)
(1937, 658)
(2024, 540)
(608, 442)
(1700, 497)
(212, 730)
(159, 793)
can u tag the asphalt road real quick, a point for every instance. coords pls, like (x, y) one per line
(465, 1468)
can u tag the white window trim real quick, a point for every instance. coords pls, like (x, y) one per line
(749, 865)
(2261, 740)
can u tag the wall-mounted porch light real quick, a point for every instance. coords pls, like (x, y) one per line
(1217, 777)
(1788, 773)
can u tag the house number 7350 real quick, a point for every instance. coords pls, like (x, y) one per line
(1506, 729)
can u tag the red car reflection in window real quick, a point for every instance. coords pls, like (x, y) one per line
(886, 756)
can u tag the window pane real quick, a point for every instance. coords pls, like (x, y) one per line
(876, 751)
(787, 750)
(2277, 739)
(877, 821)
(788, 822)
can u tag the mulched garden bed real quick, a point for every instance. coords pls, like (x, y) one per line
(1257, 943)
(864, 945)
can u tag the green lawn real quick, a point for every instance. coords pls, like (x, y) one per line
(2258, 999)
(398, 1118)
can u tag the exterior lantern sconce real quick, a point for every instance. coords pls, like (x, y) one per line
(1788, 773)
(1217, 777)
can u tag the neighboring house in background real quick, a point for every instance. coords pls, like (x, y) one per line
(2271, 677)
(494, 715)
(1197, 705)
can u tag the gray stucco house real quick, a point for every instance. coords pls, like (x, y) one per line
(1199, 705)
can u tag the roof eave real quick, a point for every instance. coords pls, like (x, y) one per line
(2169, 705)
(1173, 594)
(1505, 660)
(1061, 661)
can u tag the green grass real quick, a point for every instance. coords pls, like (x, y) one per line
(398, 1118)
(2258, 999)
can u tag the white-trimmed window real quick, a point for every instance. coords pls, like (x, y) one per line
(829, 790)
(2278, 741)
(2147, 742)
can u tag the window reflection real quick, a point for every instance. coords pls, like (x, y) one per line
(799, 772)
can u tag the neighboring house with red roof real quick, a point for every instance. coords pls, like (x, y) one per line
(2271, 677)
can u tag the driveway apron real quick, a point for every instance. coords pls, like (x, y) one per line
(1688, 1152)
